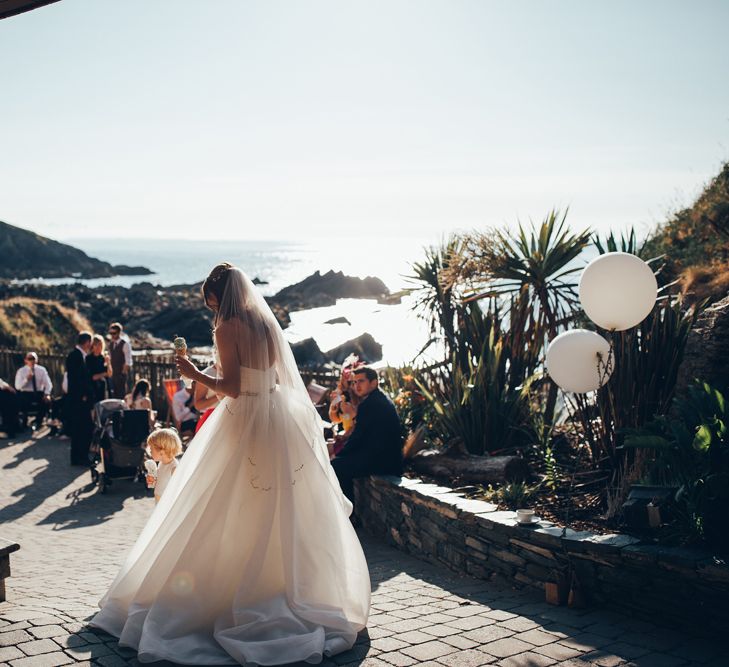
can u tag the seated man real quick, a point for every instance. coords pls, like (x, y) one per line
(9, 408)
(34, 386)
(182, 407)
(375, 445)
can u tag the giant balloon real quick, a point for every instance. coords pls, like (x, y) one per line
(576, 360)
(617, 290)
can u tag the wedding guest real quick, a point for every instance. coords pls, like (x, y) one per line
(343, 404)
(120, 352)
(205, 399)
(182, 408)
(34, 386)
(9, 408)
(375, 445)
(139, 399)
(164, 445)
(79, 400)
(99, 365)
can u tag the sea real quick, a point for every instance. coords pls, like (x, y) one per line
(281, 263)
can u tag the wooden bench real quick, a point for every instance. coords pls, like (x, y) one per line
(6, 548)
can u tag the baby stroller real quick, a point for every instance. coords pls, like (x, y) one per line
(117, 448)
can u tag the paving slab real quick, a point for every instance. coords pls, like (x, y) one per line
(73, 540)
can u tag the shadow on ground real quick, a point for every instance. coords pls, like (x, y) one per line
(51, 474)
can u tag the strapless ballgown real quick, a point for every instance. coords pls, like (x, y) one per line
(250, 556)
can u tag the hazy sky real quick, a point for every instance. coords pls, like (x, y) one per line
(268, 119)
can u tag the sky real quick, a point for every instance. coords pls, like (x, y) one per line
(268, 119)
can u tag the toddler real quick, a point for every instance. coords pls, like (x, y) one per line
(164, 445)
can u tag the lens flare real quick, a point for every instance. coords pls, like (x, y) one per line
(183, 583)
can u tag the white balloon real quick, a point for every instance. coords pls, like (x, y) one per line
(617, 290)
(576, 360)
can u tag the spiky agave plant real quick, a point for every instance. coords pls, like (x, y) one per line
(536, 266)
(435, 300)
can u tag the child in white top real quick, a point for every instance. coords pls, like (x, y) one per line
(164, 445)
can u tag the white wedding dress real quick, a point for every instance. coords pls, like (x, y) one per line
(249, 557)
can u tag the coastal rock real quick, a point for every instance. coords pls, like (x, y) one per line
(707, 350)
(195, 326)
(307, 353)
(339, 320)
(28, 255)
(152, 312)
(364, 346)
(319, 290)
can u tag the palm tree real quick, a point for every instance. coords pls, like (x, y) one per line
(436, 301)
(534, 266)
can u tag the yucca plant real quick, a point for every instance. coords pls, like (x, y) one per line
(535, 267)
(625, 243)
(478, 405)
(540, 259)
(435, 300)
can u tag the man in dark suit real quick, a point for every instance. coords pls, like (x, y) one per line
(9, 408)
(375, 446)
(80, 400)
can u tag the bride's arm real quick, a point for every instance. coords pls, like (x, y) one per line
(226, 340)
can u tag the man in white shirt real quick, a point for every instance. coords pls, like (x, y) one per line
(9, 408)
(182, 408)
(34, 388)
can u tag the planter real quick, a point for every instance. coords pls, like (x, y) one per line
(688, 586)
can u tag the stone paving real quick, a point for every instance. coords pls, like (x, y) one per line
(73, 540)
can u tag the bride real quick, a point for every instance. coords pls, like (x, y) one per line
(250, 556)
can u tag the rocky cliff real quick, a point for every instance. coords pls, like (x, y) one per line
(25, 254)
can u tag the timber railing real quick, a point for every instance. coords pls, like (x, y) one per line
(154, 367)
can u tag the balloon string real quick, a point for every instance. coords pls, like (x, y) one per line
(605, 370)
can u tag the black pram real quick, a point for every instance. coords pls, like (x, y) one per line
(118, 445)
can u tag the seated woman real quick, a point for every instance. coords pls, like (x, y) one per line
(344, 402)
(139, 399)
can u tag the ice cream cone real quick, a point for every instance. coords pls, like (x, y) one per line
(180, 346)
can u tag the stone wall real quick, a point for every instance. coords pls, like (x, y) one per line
(707, 349)
(678, 585)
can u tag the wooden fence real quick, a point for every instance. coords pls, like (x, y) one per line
(153, 367)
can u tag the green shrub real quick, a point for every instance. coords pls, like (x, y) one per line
(689, 448)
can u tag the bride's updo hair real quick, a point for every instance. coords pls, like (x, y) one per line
(215, 282)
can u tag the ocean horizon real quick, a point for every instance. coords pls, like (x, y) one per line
(283, 263)
(278, 263)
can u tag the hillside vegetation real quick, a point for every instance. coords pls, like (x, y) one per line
(26, 254)
(695, 242)
(36, 324)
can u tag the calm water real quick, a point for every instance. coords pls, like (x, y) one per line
(397, 328)
(278, 263)
(282, 264)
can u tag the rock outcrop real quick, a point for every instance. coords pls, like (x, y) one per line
(308, 354)
(364, 346)
(26, 254)
(319, 290)
(706, 357)
(153, 315)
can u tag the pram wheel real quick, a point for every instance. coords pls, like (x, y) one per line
(94, 475)
(103, 484)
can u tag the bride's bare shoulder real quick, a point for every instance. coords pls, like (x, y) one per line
(226, 331)
(231, 329)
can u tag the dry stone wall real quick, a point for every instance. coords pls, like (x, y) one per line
(683, 585)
